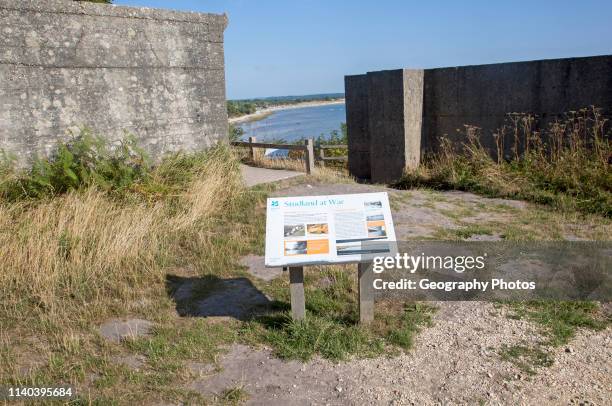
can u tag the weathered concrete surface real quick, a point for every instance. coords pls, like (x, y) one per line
(254, 176)
(385, 135)
(357, 121)
(439, 102)
(157, 74)
(413, 111)
(482, 95)
(386, 123)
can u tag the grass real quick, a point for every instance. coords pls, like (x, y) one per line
(111, 245)
(531, 223)
(233, 396)
(565, 166)
(559, 321)
(470, 230)
(113, 241)
(526, 358)
(198, 341)
(78, 252)
(330, 328)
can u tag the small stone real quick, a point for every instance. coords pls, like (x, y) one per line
(569, 350)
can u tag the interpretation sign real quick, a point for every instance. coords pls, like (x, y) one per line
(306, 230)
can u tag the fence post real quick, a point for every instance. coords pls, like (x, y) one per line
(322, 155)
(251, 149)
(309, 155)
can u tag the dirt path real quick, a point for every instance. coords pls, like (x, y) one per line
(254, 176)
(456, 361)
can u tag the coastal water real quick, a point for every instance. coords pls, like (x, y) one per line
(294, 124)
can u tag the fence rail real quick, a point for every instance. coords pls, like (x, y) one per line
(308, 147)
(322, 157)
(266, 145)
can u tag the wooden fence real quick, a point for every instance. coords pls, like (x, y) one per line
(308, 147)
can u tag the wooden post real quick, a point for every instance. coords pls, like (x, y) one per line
(296, 283)
(366, 292)
(309, 155)
(322, 155)
(251, 149)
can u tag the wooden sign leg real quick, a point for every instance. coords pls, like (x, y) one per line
(296, 282)
(366, 292)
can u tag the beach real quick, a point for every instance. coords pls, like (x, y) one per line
(259, 114)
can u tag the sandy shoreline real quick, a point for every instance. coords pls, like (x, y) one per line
(259, 114)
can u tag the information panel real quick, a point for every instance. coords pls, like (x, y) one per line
(306, 230)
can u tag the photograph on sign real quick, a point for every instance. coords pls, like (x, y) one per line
(306, 230)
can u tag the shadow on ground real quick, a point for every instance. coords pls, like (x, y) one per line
(210, 296)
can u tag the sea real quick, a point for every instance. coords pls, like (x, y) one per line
(294, 124)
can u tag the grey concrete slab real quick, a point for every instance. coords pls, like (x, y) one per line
(257, 267)
(254, 176)
(118, 330)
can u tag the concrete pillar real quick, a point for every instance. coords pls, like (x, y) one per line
(413, 116)
(384, 116)
(395, 110)
(356, 96)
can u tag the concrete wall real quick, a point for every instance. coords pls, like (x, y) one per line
(154, 73)
(476, 95)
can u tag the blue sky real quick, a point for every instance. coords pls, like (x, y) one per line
(275, 48)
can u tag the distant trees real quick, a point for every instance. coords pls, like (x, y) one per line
(237, 108)
(98, 1)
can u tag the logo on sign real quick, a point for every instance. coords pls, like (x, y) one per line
(274, 203)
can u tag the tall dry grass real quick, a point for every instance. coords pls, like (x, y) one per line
(565, 165)
(87, 253)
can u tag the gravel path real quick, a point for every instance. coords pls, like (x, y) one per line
(454, 362)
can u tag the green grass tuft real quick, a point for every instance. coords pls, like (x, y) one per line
(560, 319)
(233, 396)
(331, 327)
(526, 358)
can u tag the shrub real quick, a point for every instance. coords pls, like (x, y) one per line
(85, 160)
